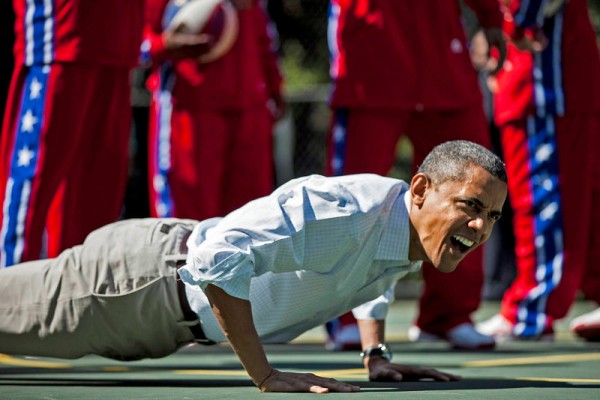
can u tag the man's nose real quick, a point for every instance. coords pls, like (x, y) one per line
(478, 224)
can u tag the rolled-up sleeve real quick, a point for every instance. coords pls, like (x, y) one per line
(233, 274)
(376, 308)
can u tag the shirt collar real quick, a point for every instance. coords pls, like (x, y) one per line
(396, 234)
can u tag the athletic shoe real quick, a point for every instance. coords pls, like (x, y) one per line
(498, 327)
(415, 334)
(587, 326)
(462, 337)
(502, 330)
(465, 336)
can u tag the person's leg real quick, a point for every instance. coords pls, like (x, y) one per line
(159, 143)
(93, 190)
(587, 326)
(33, 319)
(360, 141)
(551, 199)
(114, 296)
(449, 299)
(44, 138)
(578, 176)
(249, 162)
(187, 156)
(364, 141)
(590, 285)
(199, 159)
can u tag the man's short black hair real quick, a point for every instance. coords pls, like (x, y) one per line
(450, 160)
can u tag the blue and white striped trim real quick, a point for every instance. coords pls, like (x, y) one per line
(162, 157)
(548, 84)
(530, 13)
(332, 31)
(23, 166)
(39, 32)
(339, 133)
(547, 208)
(145, 58)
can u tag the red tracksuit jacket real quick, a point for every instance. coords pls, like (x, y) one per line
(111, 33)
(405, 74)
(569, 66)
(237, 80)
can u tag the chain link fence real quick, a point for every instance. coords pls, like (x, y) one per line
(302, 28)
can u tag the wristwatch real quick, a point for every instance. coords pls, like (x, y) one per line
(381, 350)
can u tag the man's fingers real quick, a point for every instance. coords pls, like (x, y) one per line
(294, 382)
(337, 386)
(495, 39)
(398, 373)
(396, 376)
(440, 376)
(386, 375)
(318, 389)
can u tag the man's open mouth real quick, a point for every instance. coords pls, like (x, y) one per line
(462, 243)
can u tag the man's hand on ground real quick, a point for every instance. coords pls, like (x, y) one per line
(382, 370)
(301, 382)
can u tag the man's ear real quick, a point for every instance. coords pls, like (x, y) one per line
(419, 185)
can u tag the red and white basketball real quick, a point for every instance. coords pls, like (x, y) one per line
(217, 18)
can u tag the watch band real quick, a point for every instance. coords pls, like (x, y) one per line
(381, 350)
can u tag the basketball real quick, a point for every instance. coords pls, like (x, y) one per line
(217, 18)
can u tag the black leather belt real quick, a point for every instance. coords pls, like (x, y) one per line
(190, 315)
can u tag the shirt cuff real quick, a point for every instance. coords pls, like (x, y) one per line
(233, 275)
(375, 309)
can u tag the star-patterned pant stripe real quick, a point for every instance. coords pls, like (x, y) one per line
(163, 204)
(548, 84)
(338, 139)
(23, 166)
(548, 229)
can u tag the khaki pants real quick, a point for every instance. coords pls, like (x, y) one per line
(115, 296)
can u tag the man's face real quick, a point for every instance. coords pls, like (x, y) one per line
(452, 218)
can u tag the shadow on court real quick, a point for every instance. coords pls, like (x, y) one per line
(467, 384)
(566, 369)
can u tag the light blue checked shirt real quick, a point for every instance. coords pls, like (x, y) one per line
(312, 250)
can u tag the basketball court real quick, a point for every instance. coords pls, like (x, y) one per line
(566, 369)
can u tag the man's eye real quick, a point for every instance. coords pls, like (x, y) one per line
(470, 204)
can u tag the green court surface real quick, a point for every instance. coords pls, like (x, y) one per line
(565, 369)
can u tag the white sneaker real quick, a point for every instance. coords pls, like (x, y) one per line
(415, 334)
(463, 336)
(587, 326)
(498, 327)
(466, 337)
(502, 330)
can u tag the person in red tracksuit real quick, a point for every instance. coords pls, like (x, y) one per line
(211, 123)
(547, 106)
(404, 68)
(65, 134)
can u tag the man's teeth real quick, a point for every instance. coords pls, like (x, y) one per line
(464, 240)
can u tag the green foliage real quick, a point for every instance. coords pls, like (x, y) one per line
(594, 7)
(299, 74)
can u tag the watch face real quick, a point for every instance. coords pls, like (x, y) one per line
(381, 350)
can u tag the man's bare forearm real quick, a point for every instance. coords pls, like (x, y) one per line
(235, 317)
(372, 332)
